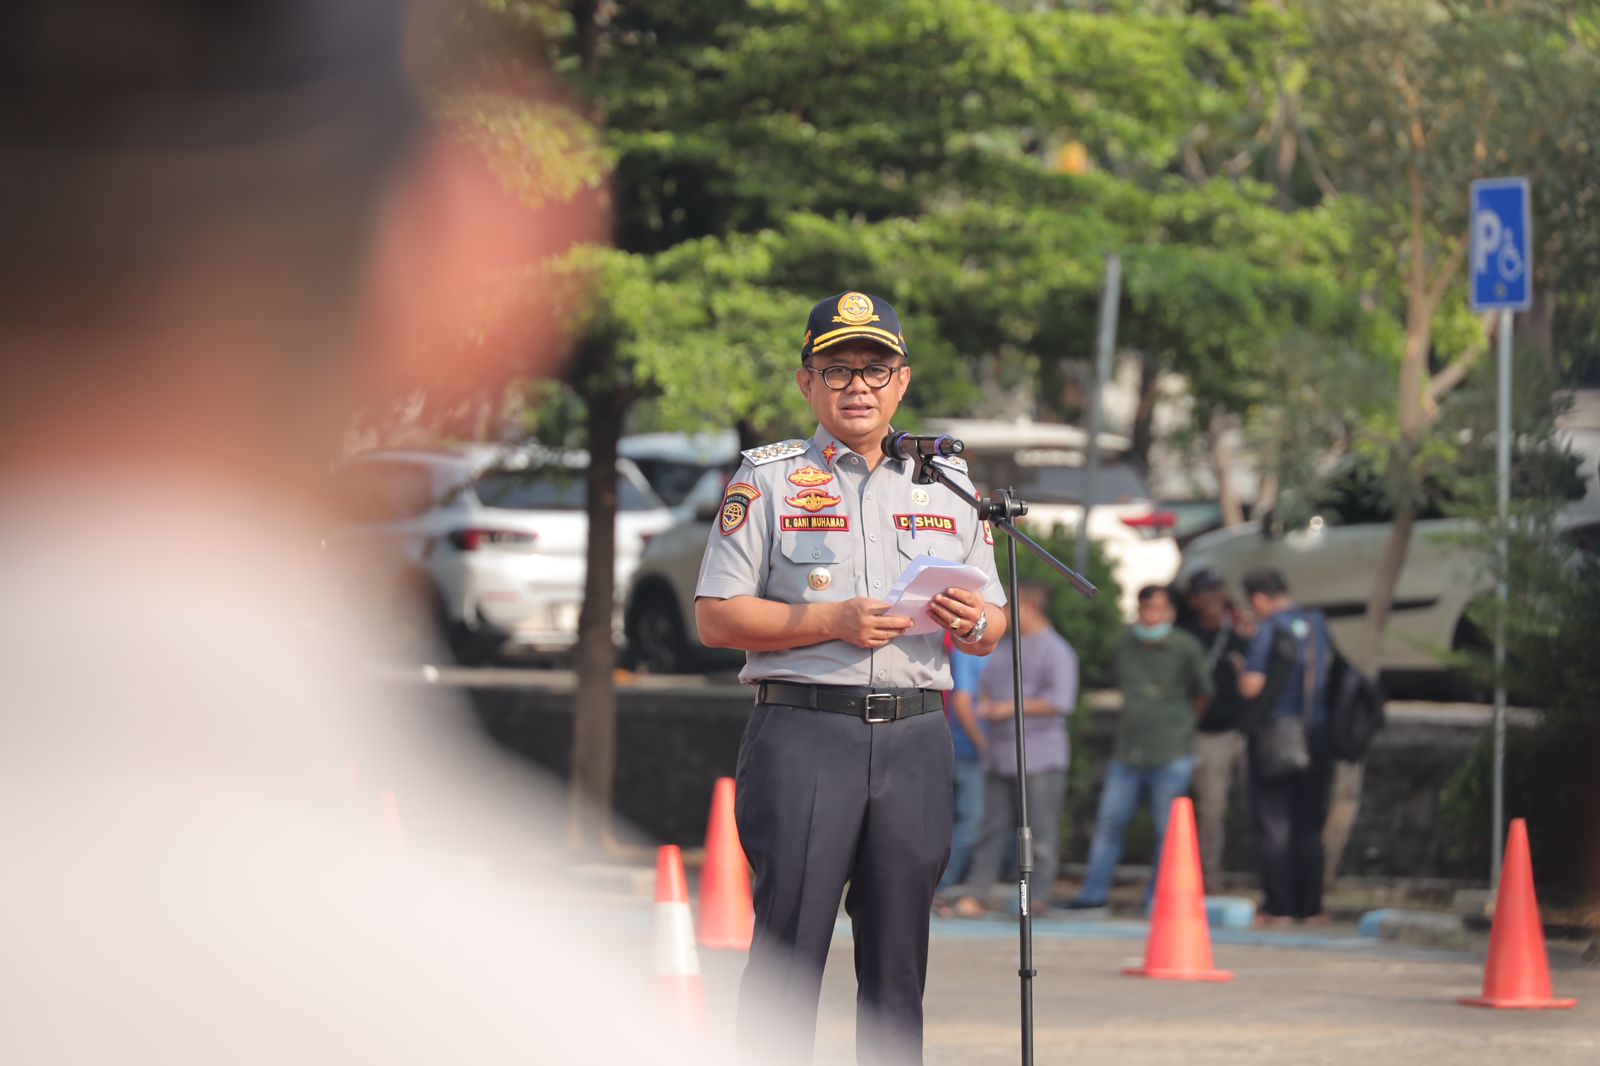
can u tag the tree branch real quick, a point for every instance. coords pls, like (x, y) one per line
(1453, 374)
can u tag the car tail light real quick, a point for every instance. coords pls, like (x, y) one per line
(469, 540)
(1153, 524)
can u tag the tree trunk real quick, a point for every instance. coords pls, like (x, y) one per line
(1227, 498)
(594, 726)
(1345, 803)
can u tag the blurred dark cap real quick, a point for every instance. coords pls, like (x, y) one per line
(1204, 580)
(852, 316)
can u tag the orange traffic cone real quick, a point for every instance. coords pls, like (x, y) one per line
(677, 965)
(1517, 974)
(1179, 947)
(727, 919)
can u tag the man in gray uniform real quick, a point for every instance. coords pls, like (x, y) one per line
(844, 774)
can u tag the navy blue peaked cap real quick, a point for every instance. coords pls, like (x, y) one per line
(853, 316)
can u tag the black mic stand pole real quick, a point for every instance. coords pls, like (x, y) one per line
(1002, 510)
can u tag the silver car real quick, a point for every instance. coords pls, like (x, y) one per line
(487, 542)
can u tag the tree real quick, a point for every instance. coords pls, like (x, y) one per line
(1414, 100)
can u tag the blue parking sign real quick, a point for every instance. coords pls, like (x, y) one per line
(1502, 245)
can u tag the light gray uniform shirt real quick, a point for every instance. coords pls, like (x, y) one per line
(806, 522)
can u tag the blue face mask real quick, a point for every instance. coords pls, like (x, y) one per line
(1153, 633)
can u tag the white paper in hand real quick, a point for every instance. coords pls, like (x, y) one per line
(925, 578)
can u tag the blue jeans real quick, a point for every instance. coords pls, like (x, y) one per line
(1118, 802)
(969, 820)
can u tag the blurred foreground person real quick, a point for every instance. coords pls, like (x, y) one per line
(845, 773)
(1165, 686)
(1286, 677)
(1218, 744)
(224, 224)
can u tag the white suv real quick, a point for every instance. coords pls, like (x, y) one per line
(488, 541)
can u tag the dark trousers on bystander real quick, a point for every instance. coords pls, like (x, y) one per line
(1288, 814)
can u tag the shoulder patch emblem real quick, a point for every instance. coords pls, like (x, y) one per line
(736, 506)
(812, 500)
(810, 477)
(771, 453)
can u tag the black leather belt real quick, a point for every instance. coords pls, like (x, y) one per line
(870, 705)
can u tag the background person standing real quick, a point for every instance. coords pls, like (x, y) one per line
(1165, 687)
(970, 745)
(1288, 812)
(1218, 744)
(1050, 692)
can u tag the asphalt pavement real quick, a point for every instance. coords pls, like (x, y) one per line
(1298, 997)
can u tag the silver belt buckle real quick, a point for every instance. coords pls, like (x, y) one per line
(894, 701)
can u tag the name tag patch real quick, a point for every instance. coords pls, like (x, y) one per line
(926, 523)
(800, 523)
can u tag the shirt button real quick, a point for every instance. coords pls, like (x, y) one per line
(872, 537)
(869, 495)
(882, 674)
(877, 584)
(816, 555)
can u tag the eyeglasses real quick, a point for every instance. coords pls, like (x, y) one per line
(838, 378)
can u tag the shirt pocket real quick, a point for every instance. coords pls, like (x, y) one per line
(813, 568)
(926, 542)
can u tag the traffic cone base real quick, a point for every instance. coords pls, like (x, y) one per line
(727, 918)
(1218, 976)
(1517, 973)
(1517, 1004)
(1179, 947)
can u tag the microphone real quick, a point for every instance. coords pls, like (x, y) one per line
(911, 446)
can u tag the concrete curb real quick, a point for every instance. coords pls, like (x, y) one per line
(1428, 928)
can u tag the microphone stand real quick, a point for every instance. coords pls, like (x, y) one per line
(1002, 510)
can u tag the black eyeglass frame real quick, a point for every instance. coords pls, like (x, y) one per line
(850, 373)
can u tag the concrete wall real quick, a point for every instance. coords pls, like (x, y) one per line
(674, 743)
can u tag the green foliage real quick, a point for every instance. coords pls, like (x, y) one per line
(1090, 626)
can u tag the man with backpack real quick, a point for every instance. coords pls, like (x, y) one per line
(1290, 765)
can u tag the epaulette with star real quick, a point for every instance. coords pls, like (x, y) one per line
(771, 453)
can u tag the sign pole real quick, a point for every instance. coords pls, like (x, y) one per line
(1502, 591)
(1106, 343)
(1501, 279)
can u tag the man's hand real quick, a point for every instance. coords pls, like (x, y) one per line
(957, 610)
(861, 622)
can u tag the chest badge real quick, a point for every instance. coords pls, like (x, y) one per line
(919, 497)
(829, 452)
(810, 477)
(819, 578)
(812, 500)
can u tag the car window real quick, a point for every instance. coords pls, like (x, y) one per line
(1039, 477)
(672, 479)
(550, 488)
(383, 492)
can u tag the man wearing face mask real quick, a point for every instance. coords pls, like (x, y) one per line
(1165, 687)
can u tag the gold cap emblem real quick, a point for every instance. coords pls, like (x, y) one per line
(855, 309)
(819, 578)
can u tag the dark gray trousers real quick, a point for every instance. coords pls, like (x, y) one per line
(826, 800)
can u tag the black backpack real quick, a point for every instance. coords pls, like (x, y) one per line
(1355, 710)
